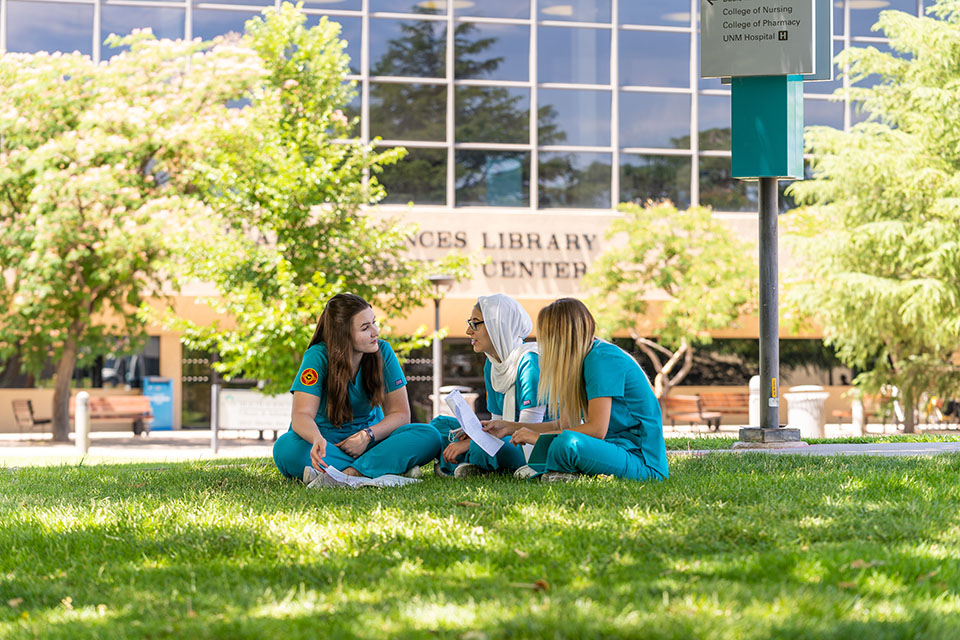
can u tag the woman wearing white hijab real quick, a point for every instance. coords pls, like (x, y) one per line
(511, 374)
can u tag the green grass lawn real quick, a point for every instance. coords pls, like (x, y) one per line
(746, 546)
(697, 442)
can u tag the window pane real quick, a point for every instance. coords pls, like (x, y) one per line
(408, 111)
(578, 10)
(419, 178)
(579, 180)
(822, 86)
(654, 120)
(352, 110)
(574, 55)
(33, 27)
(253, 3)
(410, 6)
(645, 178)
(339, 5)
(574, 117)
(876, 78)
(493, 178)
(657, 12)
(838, 17)
(210, 23)
(865, 13)
(350, 30)
(494, 8)
(493, 114)
(654, 59)
(415, 48)
(715, 123)
(718, 189)
(821, 112)
(492, 51)
(165, 23)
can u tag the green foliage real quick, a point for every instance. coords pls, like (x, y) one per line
(706, 273)
(288, 187)
(878, 242)
(746, 547)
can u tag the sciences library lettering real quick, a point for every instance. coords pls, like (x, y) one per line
(526, 121)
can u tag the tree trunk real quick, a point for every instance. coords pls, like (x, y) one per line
(909, 414)
(61, 393)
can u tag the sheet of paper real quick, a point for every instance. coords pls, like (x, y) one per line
(471, 424)
(388, 480)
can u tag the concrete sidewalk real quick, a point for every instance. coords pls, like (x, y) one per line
(178, 446)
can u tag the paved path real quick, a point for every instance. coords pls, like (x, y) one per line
(121, 447)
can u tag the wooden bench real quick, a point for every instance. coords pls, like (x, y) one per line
(23, 415)
(119, 408)
(726, 402)
(690, 410)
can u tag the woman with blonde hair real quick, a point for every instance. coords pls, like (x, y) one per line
(609, 419)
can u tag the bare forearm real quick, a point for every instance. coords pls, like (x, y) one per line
(304, 426)
(390, 423)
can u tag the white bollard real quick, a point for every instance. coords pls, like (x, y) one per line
(857, 417)
(83, 422)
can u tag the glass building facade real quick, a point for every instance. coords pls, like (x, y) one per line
(520, 104)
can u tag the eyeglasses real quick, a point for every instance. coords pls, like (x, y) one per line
(474, 324)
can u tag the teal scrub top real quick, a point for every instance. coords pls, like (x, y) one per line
(609, 371)
(528, 378)
(311, 378)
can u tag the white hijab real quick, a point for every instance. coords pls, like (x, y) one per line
(507, 325)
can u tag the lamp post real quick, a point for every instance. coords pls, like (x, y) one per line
(439, 282)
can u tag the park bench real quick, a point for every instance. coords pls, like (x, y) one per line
(119, 409)
(689, 409)
(726, 402)
(23, 415)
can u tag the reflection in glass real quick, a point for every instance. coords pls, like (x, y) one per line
(823, 86)
(654, 119)
(492, 114)
(492, 51)
(577, 117)
(30, 28)
(838, 17)
(493, 178)
(865, 13)
(411, 6)
(408, 111)
(339, 5)
(715, 123)
(210, 23)
(350, 30)
(576, 10)
(493, 8)
(645, 178)
(568, 54)
(352, 110)
(165, 23)
(822, 113)
(253, 3)
(718, 188)
(419, 178)
(658, 12)
(580, 180)
(654, 59)
(414, 48)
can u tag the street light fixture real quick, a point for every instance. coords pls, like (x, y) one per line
(440, 283)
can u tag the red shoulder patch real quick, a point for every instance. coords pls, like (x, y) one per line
(308, 377)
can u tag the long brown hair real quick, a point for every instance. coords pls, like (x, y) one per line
(565, 331)
(333, 329)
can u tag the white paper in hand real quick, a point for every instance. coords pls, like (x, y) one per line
(471, 424)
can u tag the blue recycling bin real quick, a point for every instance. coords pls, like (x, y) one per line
(160, 392)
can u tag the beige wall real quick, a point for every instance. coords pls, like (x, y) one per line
(42, 400)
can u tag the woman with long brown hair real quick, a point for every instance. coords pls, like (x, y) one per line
(350, 407)
(609, 419)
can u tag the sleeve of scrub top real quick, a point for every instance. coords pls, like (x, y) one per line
(528, 379)
(393, 377)
(494, 399)
(604, 377)
(312, 373)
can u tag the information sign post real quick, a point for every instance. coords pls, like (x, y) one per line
(766, 48)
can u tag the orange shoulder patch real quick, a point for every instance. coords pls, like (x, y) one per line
(308, 377)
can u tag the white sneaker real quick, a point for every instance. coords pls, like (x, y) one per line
(439, 472)
(558, 476)
(466, 470)
(414, 472)
(309, 475)
(323, 480)
(525, 472)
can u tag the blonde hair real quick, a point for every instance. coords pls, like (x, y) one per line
(565, 331)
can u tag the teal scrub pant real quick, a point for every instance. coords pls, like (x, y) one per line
(411, 445)
(574, 452)
(510, 457)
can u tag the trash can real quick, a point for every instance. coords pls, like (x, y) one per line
(805, 410)
(466, 392)
(160, 392)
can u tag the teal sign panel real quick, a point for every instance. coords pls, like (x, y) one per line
(767, 126)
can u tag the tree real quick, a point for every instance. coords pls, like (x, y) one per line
(91, 192)
(878, 240)
(288, 190)
(705, 273)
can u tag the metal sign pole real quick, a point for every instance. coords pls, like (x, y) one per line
(769, 320)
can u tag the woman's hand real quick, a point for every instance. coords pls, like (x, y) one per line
(317, 453)
(356, 444)
(524, 436)
(499, 428)
(455, 449)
